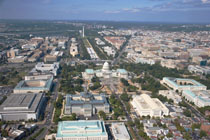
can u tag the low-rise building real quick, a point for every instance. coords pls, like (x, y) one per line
(120, 131)
(51, 68)
(86, 104)
(169, 63)
(33, 86)
(12, 53)
(109, 50)
(17, 59)
(29, 46)
(145, 61)
(81, 130)
(171, 94)
(181, 84)
(144, 105)
(74, 50)
(199, 69)
(22, 107)
(200, 98)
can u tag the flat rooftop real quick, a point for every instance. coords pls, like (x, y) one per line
(182, 82)
(203, 95)
(86, 99)
(146, 102)
(34, 84)
(120, 132)
(21, 103)
(81, 128)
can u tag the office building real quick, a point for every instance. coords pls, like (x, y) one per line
(86, 104)
(144, 105)
(22, 107)
(33, 86)
(51, 68)
(199, 69)
(181, 84)
(200, 98)
(81, 130)
(120, 131)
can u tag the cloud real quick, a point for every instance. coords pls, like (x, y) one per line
(128, 10)
(132, 10)
(112, 12)
(205, 1)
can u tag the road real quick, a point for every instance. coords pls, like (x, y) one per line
(18, 65)
(116, 60)
(47, 123)
(113, 89)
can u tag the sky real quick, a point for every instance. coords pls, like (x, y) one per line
(193, 11)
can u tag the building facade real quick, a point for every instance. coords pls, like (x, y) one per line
(22, 107)
(105, 72)
(144, 105)
(33, 86)
(181, 84)
(86, 104)
(199, 98)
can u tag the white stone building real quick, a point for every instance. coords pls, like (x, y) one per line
(105, 72)
(144, 105)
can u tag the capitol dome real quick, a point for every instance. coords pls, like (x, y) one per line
(105, 66)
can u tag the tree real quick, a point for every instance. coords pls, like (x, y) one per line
(169, 135)
(125, 97)
(102, 114)
(187, 113)
(4, 133)
(195, 126)
(125, 82)
(203, 134)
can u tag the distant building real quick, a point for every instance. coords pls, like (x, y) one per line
(12, 53)
(22, 107)
(199, 69)
(105, 72)
(120, 132)
(169, 63)
(17, 59)
(109, 50)
(29, 46)
(145, 61)
(171, 94)
(51, 58)
(74, 50)
(86, 104)
(181, 84)
(144, 105)
(37, 75)
(81, 130)
(115, 41)
(200, 98)
(50, 68)
(33, 86)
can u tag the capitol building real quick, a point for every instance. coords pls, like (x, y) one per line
(105, 72)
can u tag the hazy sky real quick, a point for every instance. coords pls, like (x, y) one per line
(118, 10)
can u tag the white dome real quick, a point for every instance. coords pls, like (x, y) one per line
(105, 66)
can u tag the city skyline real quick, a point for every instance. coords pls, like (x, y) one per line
(192, 11)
